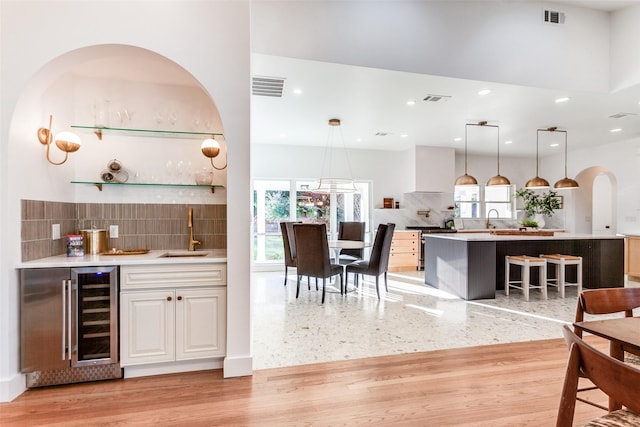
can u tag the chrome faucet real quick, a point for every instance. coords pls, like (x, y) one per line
(489, 213)
(192, 242)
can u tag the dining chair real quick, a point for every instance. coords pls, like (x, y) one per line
(607, 301)
(286, 227)
(378, 262)
(351, 230)
(617, 380)
(312, 255)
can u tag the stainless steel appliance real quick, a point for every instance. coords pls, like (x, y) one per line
(427, 230)
(69, 325)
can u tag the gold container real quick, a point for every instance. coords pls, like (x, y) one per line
(95, 241)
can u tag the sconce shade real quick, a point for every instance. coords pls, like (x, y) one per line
(498, 180)
(68, 142)
(466, 179)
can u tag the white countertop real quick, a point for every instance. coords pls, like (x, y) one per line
(153, 257)
(487, 237)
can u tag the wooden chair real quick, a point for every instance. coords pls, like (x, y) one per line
(351, 230)
(607, 301)
(312, 255)
(289, 247)
(616, 379)
(378, 262)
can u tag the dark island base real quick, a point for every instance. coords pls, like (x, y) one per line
(475, 269)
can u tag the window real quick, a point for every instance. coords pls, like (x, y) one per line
(475, 201)
(275, 201)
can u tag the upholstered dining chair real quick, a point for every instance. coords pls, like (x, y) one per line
(289, 247)
(617, 380)
(378, 262)
(312, 250)
(351, 230)
(607, 301)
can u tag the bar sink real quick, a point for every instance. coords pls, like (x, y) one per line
(183, 254)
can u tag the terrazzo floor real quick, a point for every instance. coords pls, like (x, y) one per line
(411, 317)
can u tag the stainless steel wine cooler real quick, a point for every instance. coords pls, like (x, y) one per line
(69, 325)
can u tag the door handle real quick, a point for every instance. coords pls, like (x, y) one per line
(69, 314)
(64, 319)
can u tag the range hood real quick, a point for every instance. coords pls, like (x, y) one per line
(435, 169)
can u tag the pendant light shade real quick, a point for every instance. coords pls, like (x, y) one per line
(565, 183)
(466, 179)
(497, 180)
(537, 182)
(328, 182)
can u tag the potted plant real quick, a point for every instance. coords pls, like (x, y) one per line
(538, 204)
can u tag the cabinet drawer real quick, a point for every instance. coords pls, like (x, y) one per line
(164, 276)
(404, 245)
(403, 259)
(406, 235)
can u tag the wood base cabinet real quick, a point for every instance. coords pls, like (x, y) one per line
(632, 257)
(405, 251)
(165, 322)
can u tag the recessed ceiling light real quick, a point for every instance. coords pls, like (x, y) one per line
(358, 139)
(554, 145)
(457, 139)
(404, 135)
(411, 102)
(508, 142)
(484, 92)
(616, 130)
(563, 99)
(297, 91)
(283, 135)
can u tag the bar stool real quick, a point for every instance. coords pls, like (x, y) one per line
(560, 262)
(526, 262)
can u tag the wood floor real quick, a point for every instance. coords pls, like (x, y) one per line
(515, 384)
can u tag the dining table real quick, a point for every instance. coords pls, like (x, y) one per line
(623, 334)
(339, 245)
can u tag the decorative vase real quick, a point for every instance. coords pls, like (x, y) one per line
(539, 218)
(204, 176)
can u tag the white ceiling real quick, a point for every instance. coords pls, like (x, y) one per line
(370, 101)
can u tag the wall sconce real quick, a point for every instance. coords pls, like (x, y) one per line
(66, 141)
(565, 183)
(211, 148)
(538, 182)
(497, 180)
(466, 179)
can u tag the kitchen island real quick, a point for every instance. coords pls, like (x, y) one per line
(471, 266)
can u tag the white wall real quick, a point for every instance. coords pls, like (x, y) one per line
(55, 37)
(625, 56)
(464, 39)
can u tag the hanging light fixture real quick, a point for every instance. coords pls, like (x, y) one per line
(466, 179)
(565, 183)
(497, 180)
(537, 182)
(327, 183)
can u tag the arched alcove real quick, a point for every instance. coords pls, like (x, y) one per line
(583, 201)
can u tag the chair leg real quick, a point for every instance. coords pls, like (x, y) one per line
(298, 285)
(285, 274)
(377, 288)
(324, 287)
(525, 280)
(317, 283)
(344, 284)
(386, 288)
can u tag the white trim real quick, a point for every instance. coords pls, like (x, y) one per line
(171, 367)
(238, 366)
(12, 387)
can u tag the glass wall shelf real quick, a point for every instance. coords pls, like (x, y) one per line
(99, 184)
(100, 130)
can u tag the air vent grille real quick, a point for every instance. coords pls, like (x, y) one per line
(382, 133)
(437, 98)
(621, 115)
(267, 86)
(553, 17)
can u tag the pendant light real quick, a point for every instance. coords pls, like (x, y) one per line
(565, 183)
(466, 179)
(327, 183)
(537, 182)
(497, 180)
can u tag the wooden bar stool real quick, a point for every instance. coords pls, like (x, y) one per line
(526, 262)
(560, 262)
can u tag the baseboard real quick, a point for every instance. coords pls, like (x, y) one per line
(135, 371)
(12, 387)
(238, 366)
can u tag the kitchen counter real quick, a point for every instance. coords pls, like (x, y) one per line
(150, 258)
(471, 266)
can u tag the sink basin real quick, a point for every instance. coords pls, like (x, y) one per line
(183, 254)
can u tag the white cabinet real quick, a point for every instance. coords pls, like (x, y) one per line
(172, 313)
(435, 169)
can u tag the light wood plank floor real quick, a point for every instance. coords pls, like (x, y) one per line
(514, 384)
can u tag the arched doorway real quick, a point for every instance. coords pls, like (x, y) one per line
(595, 202)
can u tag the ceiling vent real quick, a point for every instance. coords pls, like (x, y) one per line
(382, 133)
(267, 86)
(437, 98)
(553, 16)
(621, 115)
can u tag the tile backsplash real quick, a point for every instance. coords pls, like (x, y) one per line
(149, 226)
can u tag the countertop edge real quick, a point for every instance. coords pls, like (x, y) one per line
(486, 237)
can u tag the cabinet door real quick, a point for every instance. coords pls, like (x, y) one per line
(147, 332)
(200, 323)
